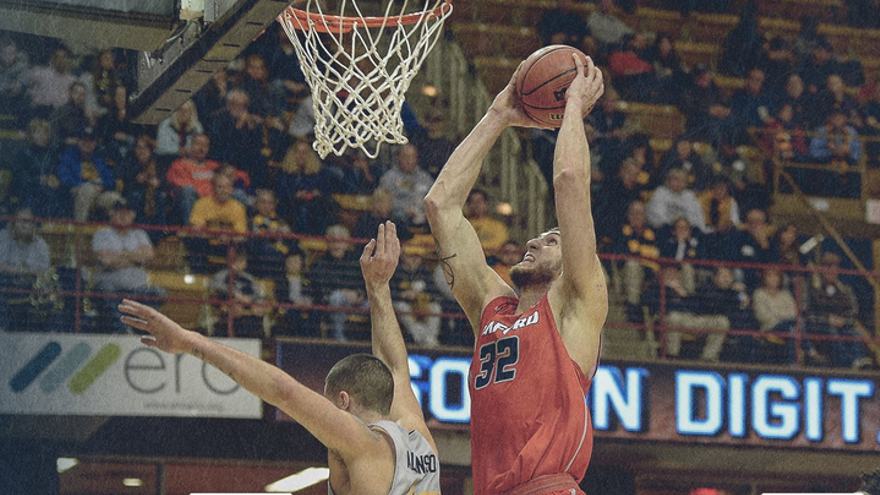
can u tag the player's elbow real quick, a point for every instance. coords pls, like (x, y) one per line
(571, 178)
(433, 207)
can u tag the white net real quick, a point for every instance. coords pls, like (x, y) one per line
(359, 68)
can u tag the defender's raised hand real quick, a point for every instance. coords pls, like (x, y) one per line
(380, 256)
(167, 335)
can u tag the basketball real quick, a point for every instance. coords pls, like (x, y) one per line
(542, 81)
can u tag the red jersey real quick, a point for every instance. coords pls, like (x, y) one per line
(529, 415)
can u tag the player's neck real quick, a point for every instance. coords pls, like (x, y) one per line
(531, 295)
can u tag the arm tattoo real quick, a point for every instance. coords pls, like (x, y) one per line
(201, 355)
(444, 262)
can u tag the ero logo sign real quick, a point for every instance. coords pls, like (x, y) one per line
(145, 370)
(74, 365)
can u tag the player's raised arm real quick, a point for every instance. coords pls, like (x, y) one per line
(472, 281)
(338, 430)
(582, 298)
(378, 262)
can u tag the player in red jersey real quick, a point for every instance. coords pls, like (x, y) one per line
(535, 354)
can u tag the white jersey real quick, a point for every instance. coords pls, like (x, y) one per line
(416, 469)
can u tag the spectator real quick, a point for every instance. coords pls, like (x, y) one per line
(211, 99)
(668, 70)
(836, 142)
(217, 212)
(48, 86)
(102, 82)
(176, 133)
(563, 25)
(416, 299)
(510, 254)
(750, 245)
(189, 177)
(833, 98)
(433, 146)
(786, 248)
(142, 186)
(285, 73)
(87, 176)
(336, 280)
(727, 298)
(72, 117)
(802, 103)
(775, 309)
(14, 69)
(742, 47)
(605, 25)
(408, 184)
(238, 137)
(753, 103)
(815, 69)
(241, 183)
(720, 209)
(265, 100)
(492, 233)
(380, 212)
(683, 312)
(683, 244)
(831, 311)
(304, 189)
(675, 200)
(776, 62)
(611, 132)
(709, 116)
(117, 132)
(746, 178)
(636, 238)
(122, 253)
(35, 182)
(631, 70)
(783, 136)
(294, 288)
(838, 145)
(614, 197)
(683, 157)
(267, 253)
(24, 256)
(242, 297)
(353, 173)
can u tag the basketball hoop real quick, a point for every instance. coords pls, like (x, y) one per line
(359, 68)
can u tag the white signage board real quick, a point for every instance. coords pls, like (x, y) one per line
(116, 375)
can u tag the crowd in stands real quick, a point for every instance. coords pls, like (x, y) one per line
(705, 198)
(233, 175)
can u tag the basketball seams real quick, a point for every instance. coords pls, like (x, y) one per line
(525, 76)
(544, 102)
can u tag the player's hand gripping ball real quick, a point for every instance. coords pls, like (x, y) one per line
(542, 81)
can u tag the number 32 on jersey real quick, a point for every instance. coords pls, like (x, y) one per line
(497, 362)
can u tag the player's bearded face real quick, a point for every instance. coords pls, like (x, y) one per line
(545, 271)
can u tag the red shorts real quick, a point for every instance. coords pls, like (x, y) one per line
(551, 484)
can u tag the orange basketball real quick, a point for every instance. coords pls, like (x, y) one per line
(543, 80)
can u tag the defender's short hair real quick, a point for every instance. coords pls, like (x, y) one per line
(366, 378)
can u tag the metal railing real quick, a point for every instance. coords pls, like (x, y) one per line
(66, 299)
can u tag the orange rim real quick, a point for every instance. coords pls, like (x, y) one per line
(323, 23)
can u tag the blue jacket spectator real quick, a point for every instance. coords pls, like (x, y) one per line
(87, 176)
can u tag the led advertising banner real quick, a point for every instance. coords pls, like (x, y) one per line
(662, 402)
(116, 375)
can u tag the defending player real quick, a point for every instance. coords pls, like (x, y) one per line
(369, 419)
(535, 355)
